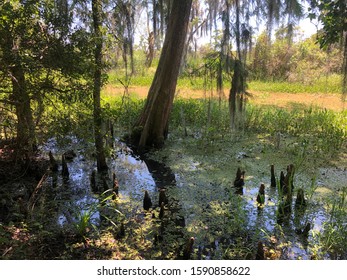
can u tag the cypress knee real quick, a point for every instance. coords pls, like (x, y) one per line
(93, 181)
(163, 197)
(65, 170)
(188, 249)
(53, 162)
(121, 231)
(261, 195)
(306, 230)
(239, 181)
(282, 181)
(115, 186)
(260, 252)
(105, 184)
(289, 179)
(161, 213)
(273, 178)
(300, 199)
(147, 202)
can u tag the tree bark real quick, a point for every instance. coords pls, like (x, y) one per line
(153, 122)
(26, 138)
(25, 123)
(344, 70)
(237, 90)
(99, 145)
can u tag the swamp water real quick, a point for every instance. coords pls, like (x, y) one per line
(209, 211)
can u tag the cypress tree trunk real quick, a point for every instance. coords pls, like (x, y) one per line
(25, 123)
(153, 122)
(99, 145)
(238, 83)
(10, 45)
(344, 70)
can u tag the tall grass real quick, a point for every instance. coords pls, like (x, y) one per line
(332, 239)
(331, 85)
(323, 130)
(118, 78)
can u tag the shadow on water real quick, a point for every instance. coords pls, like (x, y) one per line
(69, 199)
(73, 197)
(162, 175)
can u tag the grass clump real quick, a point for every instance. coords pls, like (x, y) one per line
(332, 239)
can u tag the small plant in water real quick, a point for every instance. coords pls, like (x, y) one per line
(333, 238)
(85, 217)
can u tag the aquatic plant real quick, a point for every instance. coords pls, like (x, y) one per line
(333, 239)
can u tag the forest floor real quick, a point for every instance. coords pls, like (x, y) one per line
(283, 100)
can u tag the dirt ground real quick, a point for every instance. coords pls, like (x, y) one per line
(285, 100)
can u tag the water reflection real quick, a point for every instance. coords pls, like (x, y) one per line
(74, 197)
